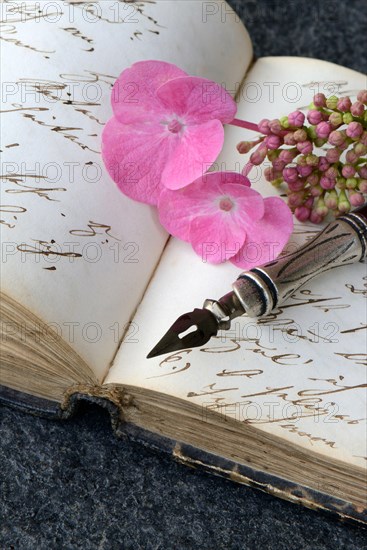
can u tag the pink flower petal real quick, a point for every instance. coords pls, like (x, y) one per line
(185, 212)
(197, 100)
(128, 155)
(267, 238)
(134, 92)
(193, 155)
(215, 237)
(250, 206)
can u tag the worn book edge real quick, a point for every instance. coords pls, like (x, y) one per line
(116, 401)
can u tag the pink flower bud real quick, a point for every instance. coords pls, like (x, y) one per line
(323, 164)
(355, 198)
(354, 130)
(323, 129)
(302, 213)
(295, 199)
(362, 96)
(363, 138)
(319, 100)
(289, 139)
(316, 190)
(362, 171)
(362, 186)
(287, 155)
(271, 174)
(332, 172)
(279, 164)
(337, 138)
(315, 217)
(351, 157)
(296, 119)
(273, 142)
(314, 116)
(264, 127)
(304, 147)
(297, 185)
(357, 108)
(309, 202)
(290, 174)
(244, 147)
(344, 104)
(275, 126)
(258, 156)
(348, 171)
(304, 171)
(327, 183)
(313, 179)
(343, 146)
(333, 155)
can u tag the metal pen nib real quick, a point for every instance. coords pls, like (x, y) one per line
(197, 327)
(258, 291)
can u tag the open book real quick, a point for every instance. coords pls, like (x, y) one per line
(91, 282)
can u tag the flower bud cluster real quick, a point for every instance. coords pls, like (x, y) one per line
(333, 179)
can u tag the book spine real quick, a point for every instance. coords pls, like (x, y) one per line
(239, 473)
(31, 404)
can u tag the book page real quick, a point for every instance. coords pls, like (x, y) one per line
(300, 372)
(75, 251)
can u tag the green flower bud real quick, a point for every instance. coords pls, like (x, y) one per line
(340, 183)
(351, 183)
(301, 160)
(321, 208)
(273, 154)
(360, 149)
(312, 160)
(332, 102)
(311, 132)
(331, 200)
(277, 183)
(336, 119)
(284, 122)
(347, 118)
(343, 202)
(319, 142)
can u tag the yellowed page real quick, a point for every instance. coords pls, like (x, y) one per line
(76, 252)
(300, 373)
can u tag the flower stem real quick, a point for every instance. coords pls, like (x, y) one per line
(244, 124)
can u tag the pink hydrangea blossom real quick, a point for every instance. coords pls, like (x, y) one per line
(224, 219)
(267, 237)
(166, 131)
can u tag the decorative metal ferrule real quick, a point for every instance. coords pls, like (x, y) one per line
(342, 242)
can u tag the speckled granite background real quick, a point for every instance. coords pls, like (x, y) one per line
(73, 485)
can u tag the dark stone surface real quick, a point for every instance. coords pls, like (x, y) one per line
(73, 485)
(324, 29)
